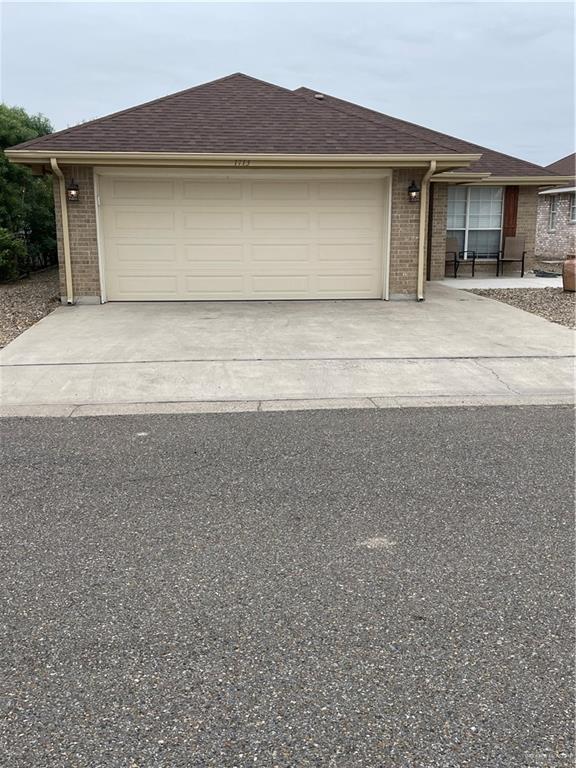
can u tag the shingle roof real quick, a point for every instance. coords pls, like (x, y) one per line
(240, 114)
(565, 167)
(493, 162)
(236, 114)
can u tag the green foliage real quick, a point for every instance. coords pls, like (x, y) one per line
(26, 203)
(13, 256)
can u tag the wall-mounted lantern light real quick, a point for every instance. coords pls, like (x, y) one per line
(413, 192)
(72, 192)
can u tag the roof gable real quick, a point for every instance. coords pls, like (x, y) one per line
(237, 114)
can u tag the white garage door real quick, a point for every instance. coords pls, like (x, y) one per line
(191, 239)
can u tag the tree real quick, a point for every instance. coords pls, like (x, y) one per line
(26, 202)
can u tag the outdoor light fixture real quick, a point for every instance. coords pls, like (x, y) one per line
(413, 192)
(72, 192)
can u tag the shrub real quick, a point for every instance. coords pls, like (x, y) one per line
(13, 256)
(26, 203)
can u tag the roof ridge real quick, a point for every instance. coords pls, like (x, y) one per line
(368, 119)
(430, 130)
(39, 140)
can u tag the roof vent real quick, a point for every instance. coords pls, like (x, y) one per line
(319, 96)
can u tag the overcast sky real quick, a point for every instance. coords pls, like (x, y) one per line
(498, 74)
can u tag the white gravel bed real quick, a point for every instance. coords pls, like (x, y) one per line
(550, 303)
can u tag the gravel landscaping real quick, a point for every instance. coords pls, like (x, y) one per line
(25, 302)
(550, 303)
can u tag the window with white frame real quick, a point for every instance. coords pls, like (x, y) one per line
(552, 212)
(573, 208)
(475, 219)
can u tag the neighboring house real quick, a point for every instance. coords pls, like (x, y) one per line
(556, 223)
(239, 189)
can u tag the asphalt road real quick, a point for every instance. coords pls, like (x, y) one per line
(340, 589)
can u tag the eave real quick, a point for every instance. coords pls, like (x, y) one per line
(253, 160)
(460, 178)
(524, 181)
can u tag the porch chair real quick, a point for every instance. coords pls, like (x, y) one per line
(513, 251)
(455, 256)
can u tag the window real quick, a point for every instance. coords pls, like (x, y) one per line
(552, 213)
(573, 208)
(475, 218)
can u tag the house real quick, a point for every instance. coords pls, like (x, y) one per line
(556, 221)
(240, 189)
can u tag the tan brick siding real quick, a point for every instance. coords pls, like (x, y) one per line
(561, 242)
(83, 239)
(438, 241)
(404, 231)
(526, 225)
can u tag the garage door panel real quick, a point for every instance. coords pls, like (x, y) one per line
(272, 190)
(281, 221)
(213, 253)
(279, 253)
(143, 221)
(281, 284)
(361, 222)
(212, 190)
(211, 284)
(185, 238)
(128, 189)
(148, 253)
(345, 283)
(343, 253)
(215, 221)
(352, 192)
(147, 284)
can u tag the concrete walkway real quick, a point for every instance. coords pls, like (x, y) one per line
(454, 348)
(470, 283)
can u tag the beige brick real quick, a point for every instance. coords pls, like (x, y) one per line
(82, 228)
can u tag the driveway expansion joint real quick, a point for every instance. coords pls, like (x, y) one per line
(335, 359)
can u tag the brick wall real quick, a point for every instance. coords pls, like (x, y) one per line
(83, 240)
(526, 224)
(561, 242)
(404, 234)
(438, 241)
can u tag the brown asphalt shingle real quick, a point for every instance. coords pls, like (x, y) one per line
(235, 114)
(565, 167)
(240, 114)
(493, 162)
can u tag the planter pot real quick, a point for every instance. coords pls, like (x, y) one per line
(569, 274)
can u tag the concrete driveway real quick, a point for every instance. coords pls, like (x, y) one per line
(121, 358)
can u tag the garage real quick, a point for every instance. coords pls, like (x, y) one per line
(169, 237)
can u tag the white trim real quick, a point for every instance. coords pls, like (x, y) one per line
(572, 208)
(387, 239)
(466, 228)
(101, 266)
(246, 173)
(552, 214)
(557, 191)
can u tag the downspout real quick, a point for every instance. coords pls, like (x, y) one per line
(422, 231)
(65, 230)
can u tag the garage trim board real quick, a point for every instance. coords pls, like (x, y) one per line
(242, 235)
